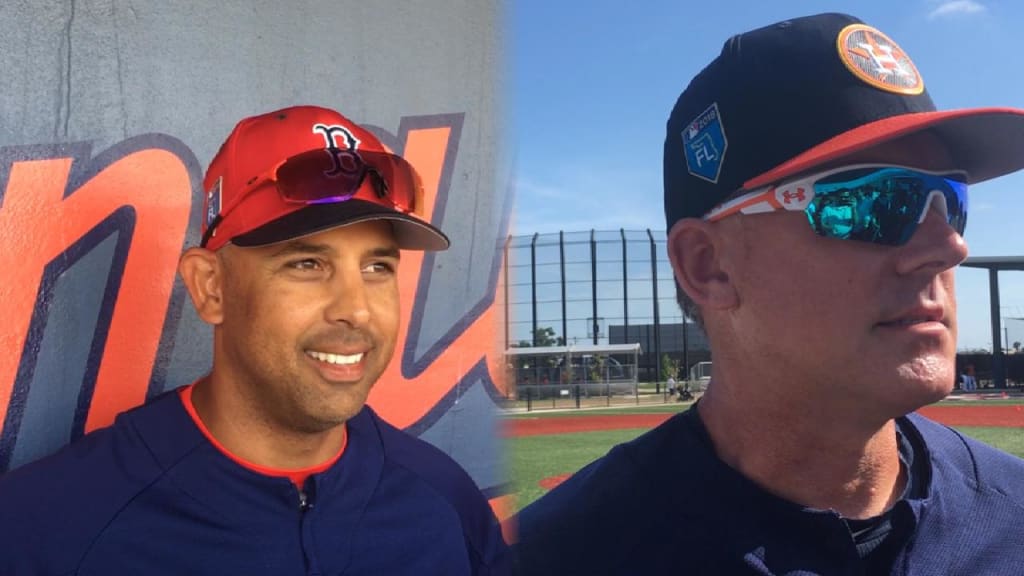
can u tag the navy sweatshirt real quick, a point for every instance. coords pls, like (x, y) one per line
(151, 495)
(665, 504)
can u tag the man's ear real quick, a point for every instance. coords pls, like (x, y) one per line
(203, 274)
(695, 248)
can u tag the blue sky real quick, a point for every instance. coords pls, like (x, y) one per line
(593, 82)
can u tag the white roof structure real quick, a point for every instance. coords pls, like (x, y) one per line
(575, 350)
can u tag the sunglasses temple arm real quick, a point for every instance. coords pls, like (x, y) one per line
(224, 211)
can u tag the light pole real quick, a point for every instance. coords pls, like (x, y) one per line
(686, 347)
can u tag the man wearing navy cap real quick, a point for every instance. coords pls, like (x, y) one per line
(816, 204)
(272, 463)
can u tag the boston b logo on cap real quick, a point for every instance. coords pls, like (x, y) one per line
(345, 157)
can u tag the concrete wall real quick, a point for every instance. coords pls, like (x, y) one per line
(110, 111)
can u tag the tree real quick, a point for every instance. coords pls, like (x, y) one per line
(981, 351)
(669, 367)
(542, 337)
(597, 372)
(545, 336)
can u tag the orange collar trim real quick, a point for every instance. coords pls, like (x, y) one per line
(298, 477)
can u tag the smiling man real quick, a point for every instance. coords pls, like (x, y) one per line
(271, 464)
(816, 203)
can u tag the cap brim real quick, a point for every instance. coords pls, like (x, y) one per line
(411, 233)
(984, 142)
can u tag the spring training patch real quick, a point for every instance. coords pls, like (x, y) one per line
(213, 202)
(705, 144)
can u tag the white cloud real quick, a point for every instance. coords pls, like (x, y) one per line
(953, 8)
(531, 188)
(577, 199)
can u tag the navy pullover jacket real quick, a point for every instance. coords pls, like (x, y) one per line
(150, 495)
(665, 504)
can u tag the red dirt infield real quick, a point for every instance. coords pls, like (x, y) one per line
(1001, 415)
(551, 481)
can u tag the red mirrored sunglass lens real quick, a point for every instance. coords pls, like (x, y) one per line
(336, 175)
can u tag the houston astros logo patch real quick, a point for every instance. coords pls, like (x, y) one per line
(874, 58)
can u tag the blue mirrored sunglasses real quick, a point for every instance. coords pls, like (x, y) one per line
(874, 203)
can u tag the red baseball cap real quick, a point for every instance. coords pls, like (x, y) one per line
(305, 169)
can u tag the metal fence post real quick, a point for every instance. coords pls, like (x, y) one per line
(577, 392)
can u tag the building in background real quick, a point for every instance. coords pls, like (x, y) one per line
(611, 287)
(599, 288)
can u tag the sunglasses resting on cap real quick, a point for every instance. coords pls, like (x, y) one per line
(320, 177)
(301, 170)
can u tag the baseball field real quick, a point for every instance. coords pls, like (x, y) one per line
(547, 447)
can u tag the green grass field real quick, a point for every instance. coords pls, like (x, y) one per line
(672, 407)
(534, 458)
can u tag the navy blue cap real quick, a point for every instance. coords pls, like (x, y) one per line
(787, 98)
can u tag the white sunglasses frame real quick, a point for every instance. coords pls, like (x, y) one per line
(795, 195)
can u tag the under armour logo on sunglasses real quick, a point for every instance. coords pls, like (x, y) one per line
(788, 196)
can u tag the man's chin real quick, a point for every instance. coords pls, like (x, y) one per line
(322, 421)
(342, 410)
(330, 409)
(914, 394)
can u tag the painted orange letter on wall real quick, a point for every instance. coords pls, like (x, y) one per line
(40, 218)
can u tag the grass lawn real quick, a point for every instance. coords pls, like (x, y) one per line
(986, 402)
(534, 458)
(1007, 439)
(670, 408)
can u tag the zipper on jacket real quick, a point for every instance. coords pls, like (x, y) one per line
(304, 503)
(307, 497)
